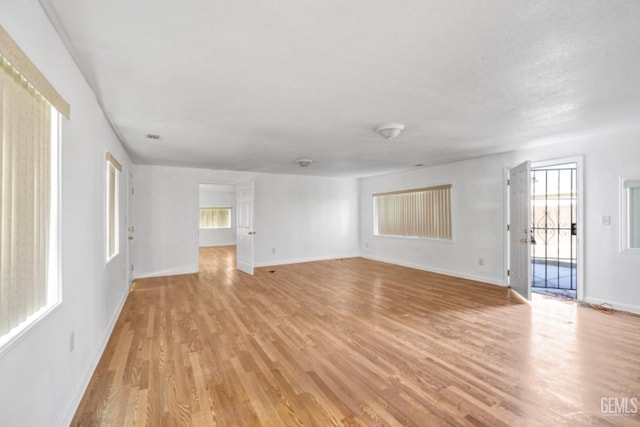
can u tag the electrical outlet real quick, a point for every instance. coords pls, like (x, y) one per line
(366, 245)
(72, 341)
(273, 250)
(480, 261)
(606, 220)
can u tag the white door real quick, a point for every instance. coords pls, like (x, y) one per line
(520, 229)
(245, 233)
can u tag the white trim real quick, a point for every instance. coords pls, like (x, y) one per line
(505, 221)
(187, 269)
(20, 332)
(580, 237)
(218, 245)
(74, 403)
(483, 279)
(299, 260)
(625, 185)
(616, 305)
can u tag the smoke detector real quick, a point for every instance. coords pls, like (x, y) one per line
(390, 130)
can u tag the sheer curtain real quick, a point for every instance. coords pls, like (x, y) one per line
(25, 183)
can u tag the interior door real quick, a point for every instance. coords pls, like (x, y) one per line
(520, 229)
(245, 233)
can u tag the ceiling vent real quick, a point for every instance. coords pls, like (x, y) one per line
(304, 162)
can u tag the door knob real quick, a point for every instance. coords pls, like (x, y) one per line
(130, 237)
(523, 240)
(251, 233)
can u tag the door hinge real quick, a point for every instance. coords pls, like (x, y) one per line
(131, 267)
(508, 272)
(508, 182)
(132, 191)
(508, 227)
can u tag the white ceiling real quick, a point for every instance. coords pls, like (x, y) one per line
(254, 85)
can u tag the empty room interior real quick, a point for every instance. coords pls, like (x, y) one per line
(323, 213)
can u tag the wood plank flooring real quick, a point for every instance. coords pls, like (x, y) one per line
(356, 342)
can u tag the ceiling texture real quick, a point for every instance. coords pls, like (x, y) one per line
(254, 85)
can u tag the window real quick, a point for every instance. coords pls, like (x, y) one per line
(420, 212)
(211, 218)
(29, 225)
(113, 196)
(630, 215)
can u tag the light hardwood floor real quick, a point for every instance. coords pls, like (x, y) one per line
(356, 342)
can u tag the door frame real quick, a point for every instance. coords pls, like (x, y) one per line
(130, 227)
(580, 238)
(245, 233)
(197, 209)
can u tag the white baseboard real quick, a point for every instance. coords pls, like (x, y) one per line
(299, 260)
(188, 269)
(476, 278)
(616, 305)
(75, 402)
(218, 245)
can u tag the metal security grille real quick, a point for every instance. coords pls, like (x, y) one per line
(554, 204)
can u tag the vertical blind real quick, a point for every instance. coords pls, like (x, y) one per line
(633, 212)
(113, 167)
(421, 212)
(215, 217)
(28, 190)
(25, 183)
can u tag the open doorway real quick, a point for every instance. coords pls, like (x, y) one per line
(216, 225)
(554, 229)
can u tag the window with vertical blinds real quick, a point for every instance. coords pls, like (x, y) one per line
(631, 215)
(215, 217)
(113, 219)
(420, 212)
(29, 138)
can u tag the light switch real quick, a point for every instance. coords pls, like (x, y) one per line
(606, 220)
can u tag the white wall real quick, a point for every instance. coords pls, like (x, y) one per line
(478, 203)
(305, 219)
(218, 196)
(302, 218)
(41, 380)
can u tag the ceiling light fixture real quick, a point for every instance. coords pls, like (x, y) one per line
(390, 130)
(304, 162)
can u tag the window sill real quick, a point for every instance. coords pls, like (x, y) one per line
(111, 258)
(428, 239)
(630, 251)
(17, 334)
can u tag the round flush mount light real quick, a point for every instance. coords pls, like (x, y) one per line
(304, 162)
(390, 130)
